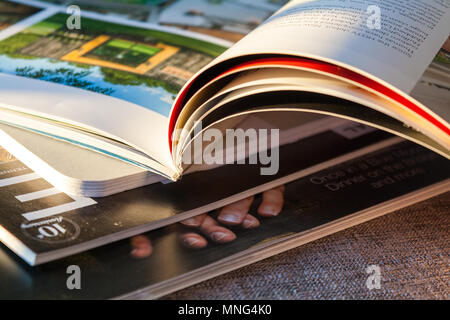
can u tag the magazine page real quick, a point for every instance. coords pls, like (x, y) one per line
(384, 60)
(112, 76)
(346, 32)
(315, 205)
(30, 201)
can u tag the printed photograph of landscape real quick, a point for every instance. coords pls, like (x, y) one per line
(142, 66)
(226, 19)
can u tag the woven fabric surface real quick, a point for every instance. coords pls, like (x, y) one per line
(410, 246)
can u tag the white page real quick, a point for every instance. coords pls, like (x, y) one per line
(142, 128)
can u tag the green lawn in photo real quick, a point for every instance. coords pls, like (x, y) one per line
(124, 52)
(142, 48)
(44, 28)
(118, 43)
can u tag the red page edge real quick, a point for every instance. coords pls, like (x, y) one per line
(319, 66)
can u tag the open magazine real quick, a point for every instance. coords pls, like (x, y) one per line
(313, 208)
(145, 95)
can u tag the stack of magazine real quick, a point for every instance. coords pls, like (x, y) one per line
(102, 109)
